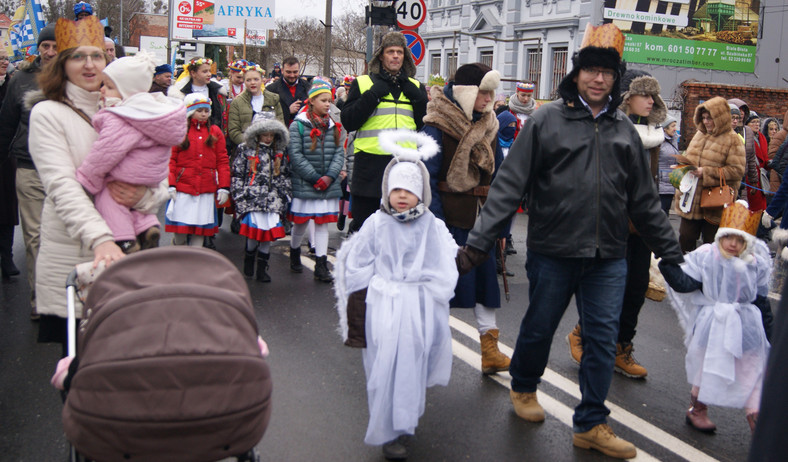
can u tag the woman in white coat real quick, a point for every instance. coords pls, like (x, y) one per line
(60, 137)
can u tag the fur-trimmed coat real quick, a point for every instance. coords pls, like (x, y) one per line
(258, 184)
(720, 148)
(469, 156)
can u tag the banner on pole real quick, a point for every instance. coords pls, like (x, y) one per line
(26, 24)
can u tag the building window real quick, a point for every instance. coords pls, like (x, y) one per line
(435, 64)
(486, 57)
(559, 68)
(534, 72)
(451, 63)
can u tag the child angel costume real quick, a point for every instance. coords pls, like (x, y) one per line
(726, 344)
(406, 263)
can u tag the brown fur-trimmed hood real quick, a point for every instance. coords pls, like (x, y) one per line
(721, 113)
(647, 86)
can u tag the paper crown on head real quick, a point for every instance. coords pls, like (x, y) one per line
(737, 216)
(525, 87)
(72, 34)
(604, 36)
(319, 85)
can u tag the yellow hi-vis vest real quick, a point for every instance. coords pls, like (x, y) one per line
(389, 114)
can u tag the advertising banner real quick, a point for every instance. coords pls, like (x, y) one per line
(193, 19)
(718, 35)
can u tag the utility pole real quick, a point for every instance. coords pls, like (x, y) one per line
(327, 56)
(121, 23)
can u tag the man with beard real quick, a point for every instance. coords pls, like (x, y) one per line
(387, 97)
(291, 89)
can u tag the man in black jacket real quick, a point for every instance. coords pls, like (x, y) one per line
(387, 97)
(582, 169)
(292, 89)
(14, 118)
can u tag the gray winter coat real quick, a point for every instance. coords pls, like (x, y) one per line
(669, 148)
(15, 116)
(308, 166)
(256, 187)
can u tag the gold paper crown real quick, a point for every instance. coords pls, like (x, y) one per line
(604, 36)
(85, 32)
(738, 216)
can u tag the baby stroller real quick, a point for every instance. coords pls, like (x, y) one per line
(169, 366)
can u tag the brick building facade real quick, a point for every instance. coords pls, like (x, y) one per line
(153, 25)
(765, 101)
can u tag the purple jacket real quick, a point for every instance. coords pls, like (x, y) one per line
(134, 142)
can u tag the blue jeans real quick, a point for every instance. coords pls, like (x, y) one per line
(598, 286)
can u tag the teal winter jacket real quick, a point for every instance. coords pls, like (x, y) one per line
(308, 166)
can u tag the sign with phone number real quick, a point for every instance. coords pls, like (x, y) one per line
(689, 53)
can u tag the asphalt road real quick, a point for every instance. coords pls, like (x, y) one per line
(319, 401)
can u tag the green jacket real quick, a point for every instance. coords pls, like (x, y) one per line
(241, 114)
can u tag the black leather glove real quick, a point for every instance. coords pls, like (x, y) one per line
(677, 279)
(411, 90)
(380, 87)
(468, 258)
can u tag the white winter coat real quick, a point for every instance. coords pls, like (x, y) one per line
(71, 227)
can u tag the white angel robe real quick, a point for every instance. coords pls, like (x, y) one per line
(410, 273)
(726, 343)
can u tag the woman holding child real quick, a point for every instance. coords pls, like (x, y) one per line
(61, 135)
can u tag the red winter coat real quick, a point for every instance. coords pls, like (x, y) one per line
(195, 170)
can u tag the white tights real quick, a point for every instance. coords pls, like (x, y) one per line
(321, 237)
(181, 239)
(262, 247)
(485, 318)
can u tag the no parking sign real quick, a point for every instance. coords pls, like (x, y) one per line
(415, 44)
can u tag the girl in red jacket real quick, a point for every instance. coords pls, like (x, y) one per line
(199, 170)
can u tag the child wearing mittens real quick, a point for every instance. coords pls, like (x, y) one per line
(316, 159)
(199, 176)
(261, 190)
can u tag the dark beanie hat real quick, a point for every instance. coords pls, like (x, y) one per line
(162, 69)
(47, 33)
(471, 74)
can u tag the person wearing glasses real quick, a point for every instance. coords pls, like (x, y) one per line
(14, 119)
(61, 136)
(582, 169)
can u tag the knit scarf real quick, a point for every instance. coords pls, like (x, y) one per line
(519, 108)
(319, 124)
(408, 215)
(474, 151)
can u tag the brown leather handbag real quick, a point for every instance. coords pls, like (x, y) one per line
(718, 196)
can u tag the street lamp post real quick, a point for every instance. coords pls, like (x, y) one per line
(327, 55)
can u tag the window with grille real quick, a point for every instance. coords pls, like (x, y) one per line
(534, 67)
(559, 68)
(451, 63)
(486, 57)
(435, 64)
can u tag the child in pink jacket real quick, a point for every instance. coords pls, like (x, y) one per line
(136, 131)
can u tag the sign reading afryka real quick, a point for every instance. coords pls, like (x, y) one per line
(410, 13)
(217, 17)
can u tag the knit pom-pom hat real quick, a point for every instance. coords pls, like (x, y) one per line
(194, 101)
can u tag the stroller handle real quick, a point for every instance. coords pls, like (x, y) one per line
(71, 280)
(71, 288)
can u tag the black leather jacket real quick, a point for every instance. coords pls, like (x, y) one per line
(582, 178)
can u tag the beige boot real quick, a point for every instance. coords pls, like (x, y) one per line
(602, 438)
(575, 342)
(626, 364)
(492, 360)
(526, 406)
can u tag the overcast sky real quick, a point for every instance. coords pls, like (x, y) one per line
(288, 9)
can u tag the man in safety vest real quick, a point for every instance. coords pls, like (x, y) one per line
(387, 97)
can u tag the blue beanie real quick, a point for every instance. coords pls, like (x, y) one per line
(162, 69)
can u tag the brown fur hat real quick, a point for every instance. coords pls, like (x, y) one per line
(720, 112)
(393, 39)
(644, 85)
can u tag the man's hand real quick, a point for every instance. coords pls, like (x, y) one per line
(126, 194)
(379, 87)
(295, 106)
(468, 258)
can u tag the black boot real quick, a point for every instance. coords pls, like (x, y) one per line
(509, 249)
(208, 243)
(249, 262)
(295, 260)
(321, 270)
(262, 267)
(6, 256)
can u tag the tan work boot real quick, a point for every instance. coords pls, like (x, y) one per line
(602, 438)
(575, 342)
(492, 360)
(626, 363)
(526, 406)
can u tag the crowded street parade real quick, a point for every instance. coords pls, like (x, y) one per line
(426, 230)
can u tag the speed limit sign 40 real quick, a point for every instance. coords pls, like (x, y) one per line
(410, 13)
